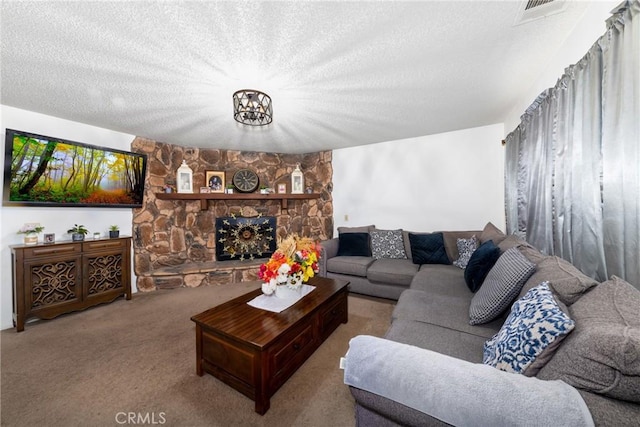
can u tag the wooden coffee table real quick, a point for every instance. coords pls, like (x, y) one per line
(255, 351)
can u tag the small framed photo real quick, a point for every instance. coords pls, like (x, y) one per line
(214, 181)
(49, 238)
(205, 190)
(282, 188)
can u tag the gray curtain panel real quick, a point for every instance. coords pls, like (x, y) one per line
(572, 172)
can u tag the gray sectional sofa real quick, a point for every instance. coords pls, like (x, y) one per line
(428, 369)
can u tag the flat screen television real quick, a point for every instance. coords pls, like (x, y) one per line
(46, 171)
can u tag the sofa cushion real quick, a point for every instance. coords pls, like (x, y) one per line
(491, 232)
(532, 254)
(466, 248)
(361, 229)
(480, 263)
(532, 332)
(438, 338)
(354, 244)
(428, 249)
(351, 265)
(568, 283)
(602, 354)
(449, 311)
(500, 288)
(441, 279)
(392, 271)
(387, 244)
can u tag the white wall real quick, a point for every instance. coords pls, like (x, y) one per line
(55, 220)
(449, 181)
(584, 35)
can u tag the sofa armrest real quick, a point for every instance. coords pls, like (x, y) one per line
(328, 249)
(459, 392)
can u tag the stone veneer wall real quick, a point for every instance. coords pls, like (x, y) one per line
(174, 241)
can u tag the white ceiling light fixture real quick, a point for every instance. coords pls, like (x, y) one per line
(252, 107)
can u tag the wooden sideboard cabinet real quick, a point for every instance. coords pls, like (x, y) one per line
(57, 278)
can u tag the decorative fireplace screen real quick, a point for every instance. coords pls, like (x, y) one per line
(241, 238)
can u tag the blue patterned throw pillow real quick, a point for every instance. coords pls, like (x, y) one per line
(536, 325)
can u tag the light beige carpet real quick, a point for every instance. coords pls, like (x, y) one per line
(136, 359)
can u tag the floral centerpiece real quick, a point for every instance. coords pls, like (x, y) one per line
(293, 263)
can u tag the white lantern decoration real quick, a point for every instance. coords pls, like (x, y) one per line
(297, 181)
(184, 178)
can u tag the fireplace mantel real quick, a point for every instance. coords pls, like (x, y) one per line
(205, 197)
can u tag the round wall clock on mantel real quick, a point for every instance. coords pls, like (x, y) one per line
(245, 181)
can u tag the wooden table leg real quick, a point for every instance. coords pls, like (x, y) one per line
(199, 370)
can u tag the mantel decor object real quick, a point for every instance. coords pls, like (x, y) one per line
(297, 181)
(215, 181)
(184, 178)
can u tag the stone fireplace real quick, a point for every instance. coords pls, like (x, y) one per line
(175, 241)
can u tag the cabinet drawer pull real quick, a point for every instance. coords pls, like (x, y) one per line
(296, 346)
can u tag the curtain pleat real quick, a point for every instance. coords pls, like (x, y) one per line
(578, 166)
(621, 144)
(572, 171)
(512, 151)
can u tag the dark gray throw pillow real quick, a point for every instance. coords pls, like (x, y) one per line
(480, 263)
(353, 244)
(428, 249)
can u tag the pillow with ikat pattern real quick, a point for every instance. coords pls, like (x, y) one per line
(534, 329)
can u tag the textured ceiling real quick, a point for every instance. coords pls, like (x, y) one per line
(340, 74)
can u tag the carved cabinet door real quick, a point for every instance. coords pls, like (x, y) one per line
(106, 269)
(53, 284)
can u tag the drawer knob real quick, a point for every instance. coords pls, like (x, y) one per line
(296, 346)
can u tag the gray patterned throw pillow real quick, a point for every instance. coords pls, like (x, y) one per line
(466, 247)
(387, 244)
(501, 286)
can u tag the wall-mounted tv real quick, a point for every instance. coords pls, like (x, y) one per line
(45, 171)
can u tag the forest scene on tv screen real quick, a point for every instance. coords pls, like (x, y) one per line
(49, 171)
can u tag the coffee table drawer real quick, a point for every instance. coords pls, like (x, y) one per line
(291, 353)
(333, 316)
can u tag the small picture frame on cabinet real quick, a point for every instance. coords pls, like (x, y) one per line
(282, 188)
(49, 238)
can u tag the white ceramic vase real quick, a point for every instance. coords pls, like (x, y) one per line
(292, 290)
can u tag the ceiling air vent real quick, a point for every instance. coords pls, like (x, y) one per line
(535, 3)
(531, 10)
